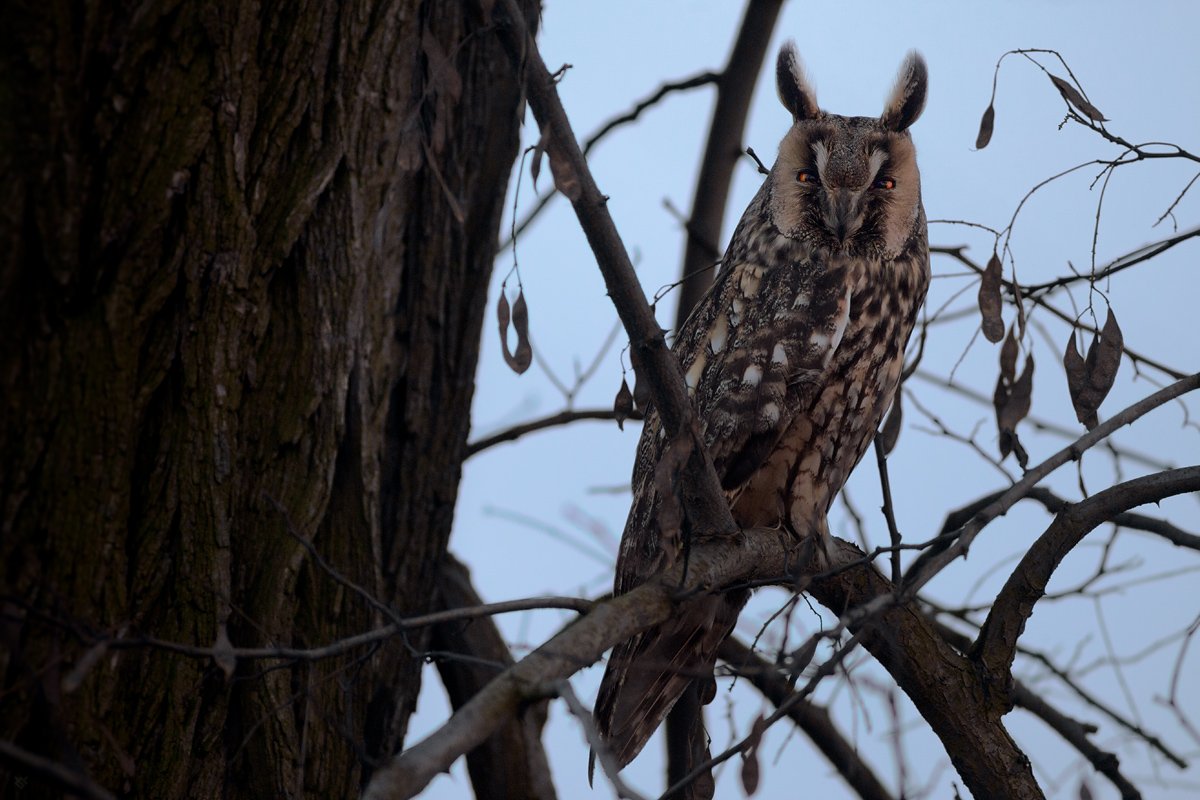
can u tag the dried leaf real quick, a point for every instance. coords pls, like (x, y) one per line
(1074, 98)
(1012, 406)
(891, 426)
(1076, 371)
(989, 300)
(1104, 358)
(1012, 397)
(1021, 397)
(750, 772)
(1090, 380)
(985, 128)
(521, 359)
(520, 320)
(1008, 356)
(623, 404)
(750, 767)
(565, 179)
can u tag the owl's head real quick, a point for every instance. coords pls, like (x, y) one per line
(849, 184)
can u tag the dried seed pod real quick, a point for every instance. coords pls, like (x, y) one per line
(989, 300)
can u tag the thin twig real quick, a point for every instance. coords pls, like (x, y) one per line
(651, 100)
(552, 421)
(52, 772)
(934, 561)
(889, 513)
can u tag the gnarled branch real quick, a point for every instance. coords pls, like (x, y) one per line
(996, 644)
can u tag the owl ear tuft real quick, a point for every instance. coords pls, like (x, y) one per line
(907, 99)
(795, 92)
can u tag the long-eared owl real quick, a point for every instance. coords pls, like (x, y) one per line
(791, 358)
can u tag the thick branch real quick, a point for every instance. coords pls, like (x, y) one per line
(511, 763)
(706, 506)
(942, 684)
(1072, 730)
(809, 717)
(724, 148)
(997, 642)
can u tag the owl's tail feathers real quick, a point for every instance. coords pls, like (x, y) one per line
(647, 674)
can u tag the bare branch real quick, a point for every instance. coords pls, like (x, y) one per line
(1037, 422)
(933, 561)
(351, 642)
(889, 513)
(1075, 733)
(957, 254)
(707, 509)
(695, 81)
(552, 421)
(714, 564)
(512, 763)
(723, 150)
(1133, 258)
(1055, 504)
(964, 644)
(996, 645)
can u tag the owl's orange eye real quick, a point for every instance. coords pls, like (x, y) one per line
(808, 176)
(885, 183)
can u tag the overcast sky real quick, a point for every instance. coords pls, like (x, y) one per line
(1138, 64)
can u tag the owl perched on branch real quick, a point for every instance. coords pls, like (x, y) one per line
(791, 358)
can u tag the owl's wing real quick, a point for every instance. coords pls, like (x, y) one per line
(754, 354)
(758, 355)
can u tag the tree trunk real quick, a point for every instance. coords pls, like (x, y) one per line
(244, 254)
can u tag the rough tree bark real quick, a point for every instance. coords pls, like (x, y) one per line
(244, 253)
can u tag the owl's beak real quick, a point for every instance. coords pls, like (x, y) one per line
(842, 213)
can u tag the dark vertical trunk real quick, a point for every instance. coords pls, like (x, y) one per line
(244, 252)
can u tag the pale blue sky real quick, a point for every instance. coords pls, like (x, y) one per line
(1139, 66)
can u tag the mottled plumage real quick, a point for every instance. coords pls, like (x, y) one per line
(792, 358)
